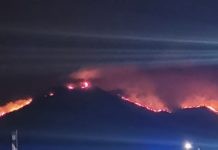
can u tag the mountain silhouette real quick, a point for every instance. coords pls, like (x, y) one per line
(93, 113)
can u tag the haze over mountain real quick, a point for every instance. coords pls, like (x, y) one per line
(94, 116)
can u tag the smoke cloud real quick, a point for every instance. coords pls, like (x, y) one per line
(157, 89)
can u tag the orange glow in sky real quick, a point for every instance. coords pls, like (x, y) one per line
(150, 102)
(197, 101)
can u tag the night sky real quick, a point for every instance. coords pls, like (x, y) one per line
(43, 41)
(135, 53)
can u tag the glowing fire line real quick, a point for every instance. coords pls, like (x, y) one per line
(196, 102)
(20, 103)
(155, 104)
(13, 106)
(144, 106)
(211, 105)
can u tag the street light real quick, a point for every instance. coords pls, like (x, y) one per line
(187, 146)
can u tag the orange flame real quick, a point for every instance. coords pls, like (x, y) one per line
(155, 106)
(80, 85)
(70, 86)
(197, 101)
(150, 101)
(13, 106)
(194, 102)
(163, 90)
(85, 85)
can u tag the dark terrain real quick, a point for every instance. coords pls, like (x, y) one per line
(101, 120)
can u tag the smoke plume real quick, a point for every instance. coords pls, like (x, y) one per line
(160, 89)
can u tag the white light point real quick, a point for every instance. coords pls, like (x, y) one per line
(187, 146)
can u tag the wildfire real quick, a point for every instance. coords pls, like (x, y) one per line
(13, 106)
(80, 85)
(155, 107)
(153, 103)
(196, 102)
(70, 86)
(85, 85)
(156, 90)
(150, 101)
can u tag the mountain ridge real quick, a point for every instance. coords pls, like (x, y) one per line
(94, 110)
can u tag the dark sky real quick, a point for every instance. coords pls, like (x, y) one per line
(41, 41)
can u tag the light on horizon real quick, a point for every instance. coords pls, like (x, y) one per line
(187, 146)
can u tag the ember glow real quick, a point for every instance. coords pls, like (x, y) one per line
(51, 93)
(85, 85)
(80, 85)
(14, 105)
(70, 86)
